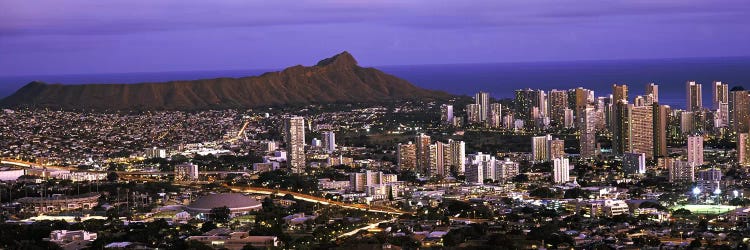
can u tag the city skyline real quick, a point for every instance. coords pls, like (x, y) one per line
(499, 124)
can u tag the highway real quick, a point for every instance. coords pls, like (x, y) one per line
(27, 164)
(370, 226)
(315, 199)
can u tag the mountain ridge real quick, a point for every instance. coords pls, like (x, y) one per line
(334, 79)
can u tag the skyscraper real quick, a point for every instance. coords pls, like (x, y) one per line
(739, 110)
(496, 114)
(620, 120)
(407, 156)
(743, 149)
(506, 170)
(556, 148)
(721, 94)
(294, 128)
(653, 90)
(423, 153)
(558, 102)
(681, 171)
(695, 150)
(561, 170)
(446, 113)
(661, 119)
(634, 163)
(525, 102)
(458, 155)
(473, 113)
(483, 100)
(619, 93)
(641, 134)
(694, 96)
(587, 139)
(540, 147)
(437, 159)
(583, 97)
(329, 141)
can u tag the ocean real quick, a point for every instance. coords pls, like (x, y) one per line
(499, 79)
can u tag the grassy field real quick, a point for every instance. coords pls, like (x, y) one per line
(707, 209)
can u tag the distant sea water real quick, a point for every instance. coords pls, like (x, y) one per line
(500, 79)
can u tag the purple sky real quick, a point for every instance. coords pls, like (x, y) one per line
(95, 36)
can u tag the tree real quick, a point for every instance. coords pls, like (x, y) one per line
(520, 178)
(575, 193)
(112, 176)
(542, 192)
(196, 245)
(220, 214)
(248, 247)
(681, 212)
(208, 226)
(695, 244)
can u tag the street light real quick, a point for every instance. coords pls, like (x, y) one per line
(696, 192)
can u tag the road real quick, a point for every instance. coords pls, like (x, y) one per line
(370, 226)
(27, 164)
(315, 199)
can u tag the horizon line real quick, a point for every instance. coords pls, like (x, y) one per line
(385, 65)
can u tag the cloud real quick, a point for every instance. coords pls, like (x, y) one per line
(93, 17)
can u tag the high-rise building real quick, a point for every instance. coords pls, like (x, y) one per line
(473, 113)
(721, 94)
(687, 122)
(458, 155)
(423, 153)
(695, 150)
(581, 100)
(639, 101)
(495, 117)
(634, 163)
(437, 159)
(619, 93)
(739, 110)
(620, 128)
(329, 141)
(587, 139)
(558, 103)
(155, 153)
(661, 119)
(359, 181)
(721, 115)
(556, 148)
(569, 121)
(561, 170)
(653, 90)
(540, 147)
(446, 113)
(506, 170)
(641, 134)
(483, 100)
(475, 174)
(294, 128)
(526, 101)
(694, 96)
(709, 179)
(186, 172)
(407, 156)
(681, 171)
(743, 149)
(486, 165)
